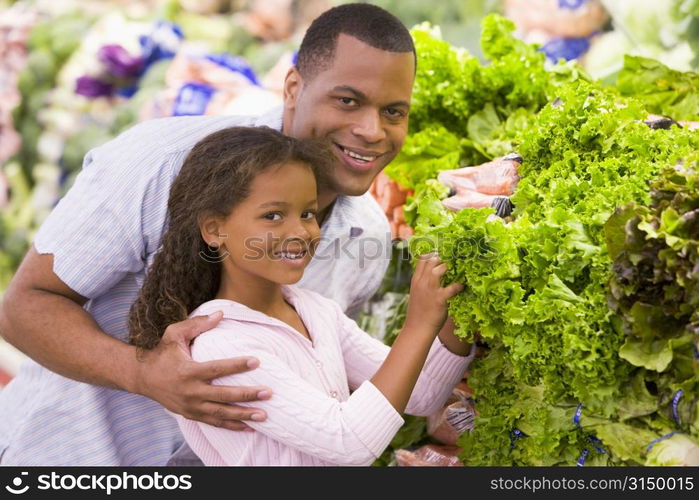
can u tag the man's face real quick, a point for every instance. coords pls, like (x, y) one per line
(359, 106)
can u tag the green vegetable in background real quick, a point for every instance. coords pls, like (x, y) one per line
(16, 219)
(536, 288)
(50, 44)
(424, 155)
(662, 90)
(588, 155)
(655, 290)
(484, 105)
(686, 12)
(676, 450)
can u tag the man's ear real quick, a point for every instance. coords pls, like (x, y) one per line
(292, 87)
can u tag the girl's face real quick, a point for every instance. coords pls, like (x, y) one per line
(272, 234)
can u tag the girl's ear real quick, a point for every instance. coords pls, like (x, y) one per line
(209, 228)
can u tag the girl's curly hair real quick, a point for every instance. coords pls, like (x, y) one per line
(215, 177)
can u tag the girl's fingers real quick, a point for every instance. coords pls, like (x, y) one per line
(428, 256)
(453, 289)
(431, 260)
(439, 270)
(424, 262)
(419, 269)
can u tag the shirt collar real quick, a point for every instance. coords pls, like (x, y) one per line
(240, 312)
(272, 118)
(343, 219)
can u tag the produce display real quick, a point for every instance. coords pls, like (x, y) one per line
(79, 73)
(554, 168)
(564, 28)
(667, 31)
(573, 372)
(391, 196)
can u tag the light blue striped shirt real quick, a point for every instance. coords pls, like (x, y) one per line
(103, 235)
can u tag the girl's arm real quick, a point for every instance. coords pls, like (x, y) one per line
(366, 357)
(442, 370)
(427, 311)
(451, 341)
(299, 414)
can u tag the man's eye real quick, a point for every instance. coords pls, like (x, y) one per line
(308, 215)
(394, 113)
(348, 101)
(273, 216)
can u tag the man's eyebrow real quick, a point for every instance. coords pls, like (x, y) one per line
(351, 90)
(361, 95)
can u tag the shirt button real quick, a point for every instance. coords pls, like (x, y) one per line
(355, 231)
(318, 363)
(333, 394)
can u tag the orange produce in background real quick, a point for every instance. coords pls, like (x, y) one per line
(391, 198)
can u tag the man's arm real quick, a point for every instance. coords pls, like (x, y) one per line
(44, 318)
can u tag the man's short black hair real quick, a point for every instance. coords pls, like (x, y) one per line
(365, 22)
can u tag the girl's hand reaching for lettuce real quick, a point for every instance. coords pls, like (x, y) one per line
(427, 304)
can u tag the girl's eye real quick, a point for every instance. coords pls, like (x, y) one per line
(308, 215)
(273, 216)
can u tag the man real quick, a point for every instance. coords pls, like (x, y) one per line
(95, 401)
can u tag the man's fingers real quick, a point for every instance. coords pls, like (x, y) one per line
(235, 412)
(209, 370)
(185, 331)
(230, 416)
(235, 425)
(230, 394)
(200, 324)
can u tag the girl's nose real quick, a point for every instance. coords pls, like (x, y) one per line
(300, 230)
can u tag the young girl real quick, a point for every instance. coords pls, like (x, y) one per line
(242, 228)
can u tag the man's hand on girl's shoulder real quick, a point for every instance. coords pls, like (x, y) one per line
(168, 375)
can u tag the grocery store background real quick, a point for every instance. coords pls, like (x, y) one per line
(75, 73)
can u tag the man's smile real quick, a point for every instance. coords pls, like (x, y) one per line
(357, 158)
